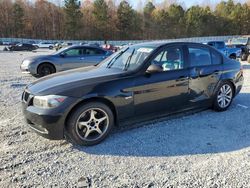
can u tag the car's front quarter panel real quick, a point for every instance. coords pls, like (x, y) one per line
(118, 92)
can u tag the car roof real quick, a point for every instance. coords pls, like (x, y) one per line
(79, 46)
(163, 43)
(216, 41)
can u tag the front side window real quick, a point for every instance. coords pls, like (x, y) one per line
(73, 52)
(170, 59)
(220, 45)
(92, 51)
(199, 56)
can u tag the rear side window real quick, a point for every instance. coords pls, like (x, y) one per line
(199, 56)
(216, 58)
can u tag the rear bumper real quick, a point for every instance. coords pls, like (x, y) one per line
(48, 123)
(239, 84)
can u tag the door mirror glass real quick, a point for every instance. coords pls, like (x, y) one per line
(153, 68)
(62, 54)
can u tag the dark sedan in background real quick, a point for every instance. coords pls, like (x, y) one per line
(64, 59)
(139, 82)
(20, 47)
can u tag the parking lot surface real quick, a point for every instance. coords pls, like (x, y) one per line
(204, 149)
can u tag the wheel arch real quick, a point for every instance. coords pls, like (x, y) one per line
(93, 99)
(233, 55)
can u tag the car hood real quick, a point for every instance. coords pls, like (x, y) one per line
(34, 58)
(69, 83)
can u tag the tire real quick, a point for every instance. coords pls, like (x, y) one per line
(50, 47)
(45, 69)
(89, 124)
(244, 57)
(223, 96)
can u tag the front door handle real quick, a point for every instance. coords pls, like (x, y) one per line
(195, 72)
(182, 78)
(217, 72)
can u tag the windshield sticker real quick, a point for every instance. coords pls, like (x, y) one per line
(145, 50)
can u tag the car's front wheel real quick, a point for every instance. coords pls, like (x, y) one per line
(90, 124)
(45, 69)
(223, 97)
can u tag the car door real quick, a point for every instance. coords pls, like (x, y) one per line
(205, 70)
(70, 58)
(93, 55)
(163, 91)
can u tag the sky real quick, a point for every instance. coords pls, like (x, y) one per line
(138, 4)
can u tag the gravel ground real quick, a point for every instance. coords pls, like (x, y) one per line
(205, 149)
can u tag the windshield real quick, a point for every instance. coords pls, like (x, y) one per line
(129, 58)
(239, 40)
(220, 45)
(59, 51)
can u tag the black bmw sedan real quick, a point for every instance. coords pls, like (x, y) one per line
(140, 81)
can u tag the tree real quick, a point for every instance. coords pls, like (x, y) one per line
(161, 20)
(148, 21)
(199, 21)
(177, 21)
(18, 19)
(73, 18)
(100, 13)
(125, 15)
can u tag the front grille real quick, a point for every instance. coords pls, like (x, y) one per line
(26, 96)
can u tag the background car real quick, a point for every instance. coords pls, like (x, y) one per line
(64, 59)
(20, 47)
(244, 44)
(139, 82)
(61, 45)
(45, 45)
(230, 52)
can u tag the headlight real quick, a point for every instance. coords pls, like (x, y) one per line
(49, 101)
(25, 63)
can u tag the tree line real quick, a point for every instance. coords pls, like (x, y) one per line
(104, 20)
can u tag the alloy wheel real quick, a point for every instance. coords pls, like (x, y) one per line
(225, 96)
(92, 124)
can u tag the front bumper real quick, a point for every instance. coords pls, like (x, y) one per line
(48, 123)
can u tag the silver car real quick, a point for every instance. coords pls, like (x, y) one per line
(64, 59)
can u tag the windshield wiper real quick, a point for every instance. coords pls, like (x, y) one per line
(128, 61)
(112, 61)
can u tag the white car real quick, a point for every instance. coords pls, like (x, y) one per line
(45, 45)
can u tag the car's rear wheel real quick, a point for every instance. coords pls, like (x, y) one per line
(223, 97)
(45, 69)
(90, 124)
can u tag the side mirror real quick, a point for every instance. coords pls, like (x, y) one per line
(153, 68)
(62, 54)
